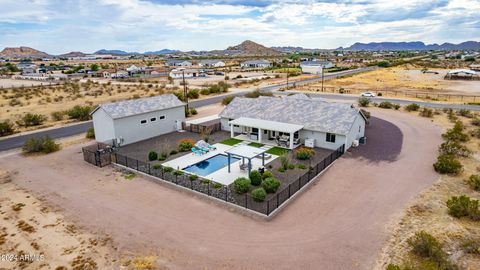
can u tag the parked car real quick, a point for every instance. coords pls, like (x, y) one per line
(219, 73)
(368, 94)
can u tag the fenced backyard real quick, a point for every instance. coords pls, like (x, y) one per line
(100, 155)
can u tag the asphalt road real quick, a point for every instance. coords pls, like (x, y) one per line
(61, 132)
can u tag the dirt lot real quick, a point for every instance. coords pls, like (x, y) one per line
(338, 223)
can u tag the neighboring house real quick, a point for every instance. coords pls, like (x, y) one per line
(189, 73)
(256, 64)
(298, 117)
(315, 67)
(130, 121)
(178, 63)
(475, 67)
(211, 63)
(27, 67)
(119, 74)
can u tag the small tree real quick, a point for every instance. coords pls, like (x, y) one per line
(81, 113)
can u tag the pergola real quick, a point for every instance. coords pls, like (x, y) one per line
(246, 152)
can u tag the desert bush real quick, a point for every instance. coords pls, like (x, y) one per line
(291, 166)
(193, 94)
(193, 111)
(255, 178)
(412, 107)
(454, 148)
(90, 133)
(81, 113)
(185, 145)
(456, 133)
(476, 133)
(192, 177)
(465, 113)
(396, 106)
(363, 101)
(40, 144)
(385, 105)
(167, 169)
(304, 153)
(365, 113)
(173, 152)
(152, 155)
(6, 128)
(31, 119)
(426, 112)
(241, 185)
(267, 174)
(427, 246)
(284, 160)
(259, 194)
(227, 100)
(471, 246)
(205, 91)
(271, 184)
(302, 166)
(463, 206)
(447, 164)
(474, 182)
(57, 116)
(157, 166)
(475, 122)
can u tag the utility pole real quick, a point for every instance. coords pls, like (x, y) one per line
(287, 78)
(185, 89)
(322, 78)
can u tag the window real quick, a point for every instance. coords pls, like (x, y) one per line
(359, 128)
(162, 117)
(330, 137)
(153, 119)
(143, 122)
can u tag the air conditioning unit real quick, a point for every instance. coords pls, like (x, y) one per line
(310, 143)
(355, 143)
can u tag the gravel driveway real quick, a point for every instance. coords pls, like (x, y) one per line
(338, 223)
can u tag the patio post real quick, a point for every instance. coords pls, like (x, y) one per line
(228, 162)
(231, 131)
(291, 140)
(263, 159)
(260, 131)
(249, 166)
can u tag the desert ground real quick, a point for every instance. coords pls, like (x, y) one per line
(12, 83)
(339, 222)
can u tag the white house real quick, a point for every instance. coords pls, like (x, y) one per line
(130, 121)
(256, 64)
(315, 67)
(211, 63)
(189, 73)
(178, 63)
(119, 74)
(294, 120)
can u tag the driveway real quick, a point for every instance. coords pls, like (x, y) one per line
(338, 223)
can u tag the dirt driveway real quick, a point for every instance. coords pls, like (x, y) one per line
(339, 223)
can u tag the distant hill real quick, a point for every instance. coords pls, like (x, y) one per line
(115, 52)
(407, 46)
(23, 52)
(72, 54)
(249, 47)
(164, 51)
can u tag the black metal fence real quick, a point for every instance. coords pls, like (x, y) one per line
(102, 156)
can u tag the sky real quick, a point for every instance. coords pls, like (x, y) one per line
(61, 26)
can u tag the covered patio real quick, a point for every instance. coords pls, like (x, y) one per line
(245, 152)
(266, 132)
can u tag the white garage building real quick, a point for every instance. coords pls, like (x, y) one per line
(130, 121)
(294, 120)
(315, 67)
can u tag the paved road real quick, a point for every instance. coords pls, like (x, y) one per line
(55, 133)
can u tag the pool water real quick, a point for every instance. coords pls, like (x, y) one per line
(210, 165)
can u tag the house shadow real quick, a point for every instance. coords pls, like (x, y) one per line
(384, 142)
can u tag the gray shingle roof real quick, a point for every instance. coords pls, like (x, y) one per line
(315, 63)
(142, 105)
(313, 114)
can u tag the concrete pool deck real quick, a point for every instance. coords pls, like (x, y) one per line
(222, 175)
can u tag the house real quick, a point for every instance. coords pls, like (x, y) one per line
(27, 67)
(178, 63)
(211, 63)
(130, 121)
(475, 67)
(179, 73)
(119, 74)
(256, 64)
(315, 67)
(296, 119)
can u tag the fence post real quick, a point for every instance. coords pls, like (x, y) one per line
(289, 190)
(149, 172)
(126, 162)
(226, 193)
(208, 188)
(268, 207)
(137, 164)
(246, 201)
(277, 199)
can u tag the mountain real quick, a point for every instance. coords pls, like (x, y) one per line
(164, 51)
(72, 54)
(23, 52)
(115, 52)
(249, 47)
(406, 46)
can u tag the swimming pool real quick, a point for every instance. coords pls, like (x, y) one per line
(210, 165)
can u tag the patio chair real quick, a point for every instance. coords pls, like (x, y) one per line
(201, 148)
(296, 141)
(197, 152)
(243, 167)
(206, 145)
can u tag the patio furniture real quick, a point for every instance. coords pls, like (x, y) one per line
(206, 145)
(195, 151)
(202, 148)
(243, 166)
(296, 141)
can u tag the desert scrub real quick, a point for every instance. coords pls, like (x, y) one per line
(456, 133)
(241, 185)
(31, 119)
(385, 105)
(454, 148)
(448, 164)
(412, 107)
(463, 206)
(364, 102)
(40, 145)
(81, 113)
(227, 100)
(259, 194)
(430, 252)
(90, 133)
(426, 112)
(6, 128)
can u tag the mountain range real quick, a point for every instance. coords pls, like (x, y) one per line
(406, 46)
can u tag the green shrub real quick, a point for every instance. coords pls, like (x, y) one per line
(193, 111)
(465, 113)
(173, 152)
(427, 246)
(426, 112)
(456, 133)
(281, 169)
(259, 194)
(393, 267)
(217, 185)
(412, 107)
(90, 133)
(463, 206)
(57, 116)
(157, 166)
(193, 94)
(364, 102)
(271, 184)
(6, 128)
(396, 106)
(185, 145)
(267, 174)
(205, 92)
(475, 122)
(227, 100)
(454, 148)
(81, 113)
(40, 144)
(193, 177)
(152, 155)
(304, 153)
(162, 157)
(474, 182)
(255, 178)
(291, 166)
(385, 105)
(301, 166)
(30, 119)
(167, 169)
(447, 164)
(471, 246)
(241, 185)
(284, 160)
(365, 113)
